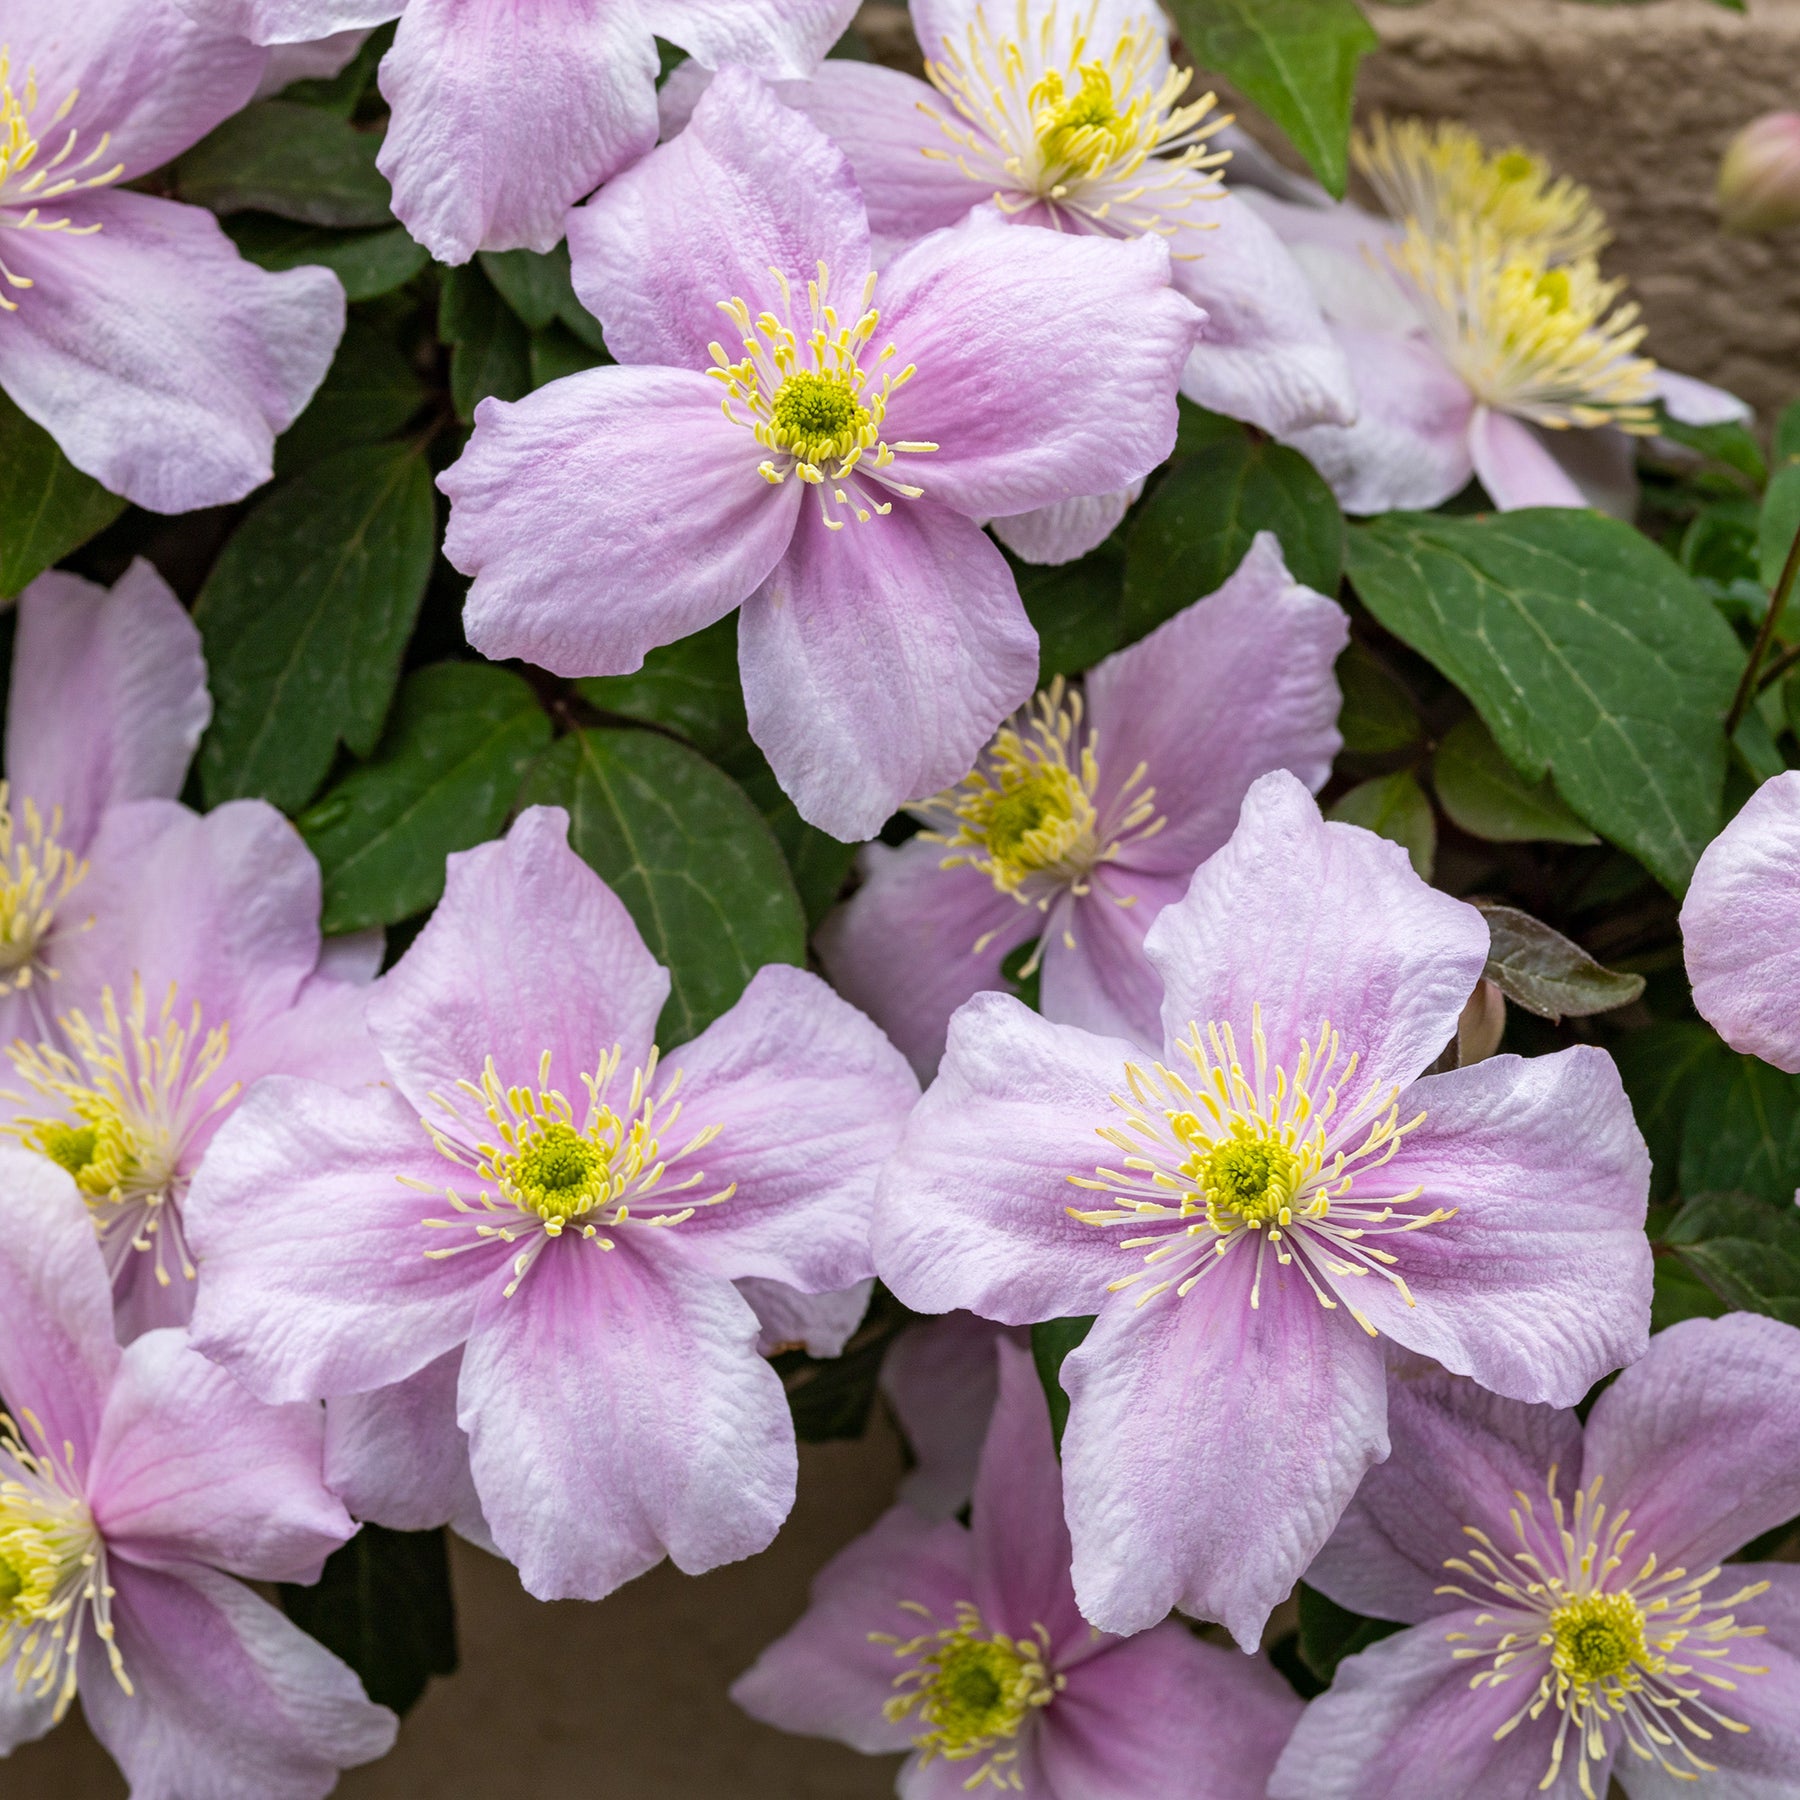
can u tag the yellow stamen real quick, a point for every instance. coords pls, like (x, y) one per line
(36, 876)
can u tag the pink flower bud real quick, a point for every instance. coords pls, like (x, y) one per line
(1759, 178)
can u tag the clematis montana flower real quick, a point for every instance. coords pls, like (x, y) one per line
(130, 328)
(1483, 338)
(1738, 927)
(558, 96)
(200, 969)
(963, 1645)
(1090, 812)
(829, 480)
(1573, 1617)
(106, 703)
(1249, 1214)
(134, 1485)
(578, 1252)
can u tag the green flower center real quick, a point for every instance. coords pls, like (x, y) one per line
(1246, 1179)
(819, 418)
(1599, 1638)
(559, 1173)
(70, 1147)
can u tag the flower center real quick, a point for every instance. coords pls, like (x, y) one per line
(971, 1690)
(811, 401)
(36, 875)
(1052, 118)
(1609, 1637)
(544, 1172)
(1226, 1155)
(52, 1570)
(133, 1093)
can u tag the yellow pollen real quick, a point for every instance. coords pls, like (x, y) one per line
(1247, 1179)
(543, 1171)
(1600, 1637)
(808, 396)
(36, 876)
(1050, 117)
(971, 1690)
(1441, 178)
(133, 1092)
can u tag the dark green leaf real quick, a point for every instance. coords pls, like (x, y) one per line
(370, 392)
(831, 1397)
(539, 289)
(1778, 524)
(1732, 444)
(491, 352)
(298, 162)
(1754, 746)
(1394, 807)
(1677, 1293)
(1378, 717)
(1193, 531)
(340, 93)
(818, 862)
(1075, 608)
(1023, 968)
(1488, 798)
(1329, 1632)
(690, 687)
(1744, 1249)
(1741, 1131)
(1295, 58)
(384, 1607)
(1587, 652)
(1545, 973)
(47, 506)
(1787, 434)
(442, 779)
(1660, 1066)
(693, 860)
(305, 618)
(556, 351)
(1051, 1342)
(368, 263)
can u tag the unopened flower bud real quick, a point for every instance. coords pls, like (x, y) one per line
(1759, 178)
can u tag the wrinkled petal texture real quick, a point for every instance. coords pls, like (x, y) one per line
(290, 21)
(819, 1324)
(1070, 529)
(162, 362)
(783, 39)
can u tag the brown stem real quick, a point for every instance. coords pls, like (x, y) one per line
(1747, 686)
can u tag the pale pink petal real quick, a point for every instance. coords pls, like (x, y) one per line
(941, 1378)
(25, 1714)
(528, 953)
(1540, 1283)
(972, 1209)
(750, 186)
(1514, 467)
(314, 1277)
(229, 1699)
(936, 20)
(617, 1412)
(1700, 1439)
(1212, 1446)
(323, 1036)
(1236, 685)
(809, 1099)
(1102, 981)
(1602, 463)
(290, 21)
(783, 39)
(826, 1677)
(568, 509)
(354, 957)
(1698, 402)
(1070, 529)
(1342, 250)
(1308, 921)
(162, 362)
(57, 1354)
(504, 118)
(903, 947)
(190, 1468)
(108, 697)
(1460, 1457)
(1738, 927)
(878, 658)
(819, 1324)
(317, 61)
(1046, 365)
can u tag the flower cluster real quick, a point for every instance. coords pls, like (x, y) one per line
(799, 794)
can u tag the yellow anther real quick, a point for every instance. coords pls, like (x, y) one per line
(36, 876)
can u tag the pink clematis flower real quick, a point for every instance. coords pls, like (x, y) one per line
(556, 97)
(963, 1644)
(869, 424)
(1088, 814)
(130, 328)
(1283, 1189)
(134, 1485)
(1071, 116)
(1573, 1617)
(577, 1255)
(1738, 927)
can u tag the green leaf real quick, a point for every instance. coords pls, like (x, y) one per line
(1484, 795)
(1378, 717)
(1745, 1250)
(369, 393)
(540, 290)
(1329, 1632)
(491, 353)
(1051, 1342)
(368, 263)
(1787, 434)
(1545, 973)
(1075, 608)
(384, 1607)
(340, 93)
(1026, 982)
(1660, 1066)
(305, 618)
(1587, 652)
(1740, 1132)
(693, 860)
(1732, 444)
(1394, 807)
(1779, 521)
(831, 1398)
(818, 862)
(1295, 58)
(1192, 532)
(442, 779)
(47, 506)
(298, 162)
(556, 351)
